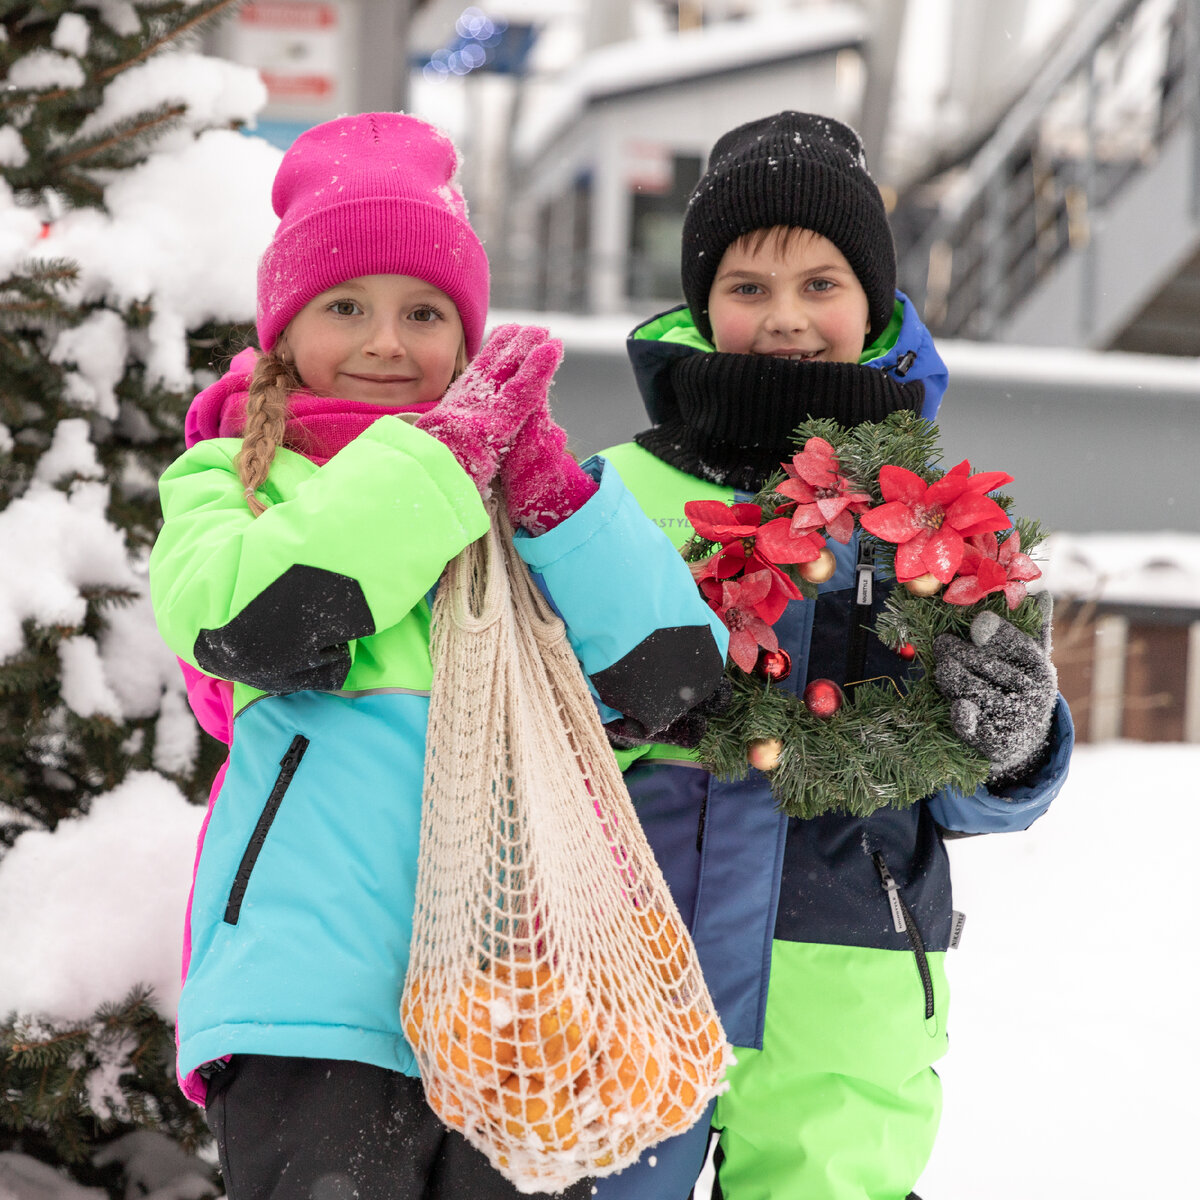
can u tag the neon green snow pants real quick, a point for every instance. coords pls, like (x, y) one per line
(842, 1103)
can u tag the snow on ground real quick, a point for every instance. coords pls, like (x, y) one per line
(1073, 1039)
(1074, 1042)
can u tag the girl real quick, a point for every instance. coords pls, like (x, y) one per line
(326, 484)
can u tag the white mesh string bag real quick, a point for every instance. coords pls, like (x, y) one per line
(553, 995)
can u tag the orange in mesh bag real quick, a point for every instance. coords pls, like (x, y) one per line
(553, 996)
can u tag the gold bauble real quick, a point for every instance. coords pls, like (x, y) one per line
(924, 585)
(764, 753)
(821, 568)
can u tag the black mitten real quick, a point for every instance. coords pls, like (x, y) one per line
(293, 636)
(685, 731)
(1002, 689)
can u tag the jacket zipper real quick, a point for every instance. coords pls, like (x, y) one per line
(902, 365)
(904, 922)
(860, 617)
(287, 769)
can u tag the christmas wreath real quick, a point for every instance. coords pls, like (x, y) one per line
(946, 536)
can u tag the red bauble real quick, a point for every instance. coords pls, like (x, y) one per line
(823, 698)
(907, 652)
(775, 664)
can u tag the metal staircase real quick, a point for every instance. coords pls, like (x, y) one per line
(1077, 222)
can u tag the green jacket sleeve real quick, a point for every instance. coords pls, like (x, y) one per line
(343, 550)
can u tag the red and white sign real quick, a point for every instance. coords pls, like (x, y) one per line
(288, 14)
(297, 87)
(648, 167)
(297, 48)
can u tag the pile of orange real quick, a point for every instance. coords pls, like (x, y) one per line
(515, 1058)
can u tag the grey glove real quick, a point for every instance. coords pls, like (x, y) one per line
(1002, 688)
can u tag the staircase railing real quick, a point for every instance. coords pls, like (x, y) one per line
(1122, 81)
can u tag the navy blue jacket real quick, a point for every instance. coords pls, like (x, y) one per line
(742, 873)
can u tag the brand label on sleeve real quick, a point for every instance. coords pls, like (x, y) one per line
(957, 921)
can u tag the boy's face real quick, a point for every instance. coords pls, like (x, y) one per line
(385, 339)
(790, 294)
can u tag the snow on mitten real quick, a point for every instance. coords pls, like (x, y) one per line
(543, 484)
(483, 408)
(1002, 689)
(686, 731)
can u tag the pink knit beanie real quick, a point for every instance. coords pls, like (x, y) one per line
(372, 194)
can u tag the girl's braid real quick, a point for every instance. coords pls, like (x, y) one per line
(272, 381)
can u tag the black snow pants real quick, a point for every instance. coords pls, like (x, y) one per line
(322, 1129)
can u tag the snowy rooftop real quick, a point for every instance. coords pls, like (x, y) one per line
(1157, 569)
(1087, 369)
(670, 58)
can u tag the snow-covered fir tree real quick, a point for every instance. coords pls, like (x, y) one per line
(132, 211)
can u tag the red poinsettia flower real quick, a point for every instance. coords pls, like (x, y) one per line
(746, 543)
(734, 563)
(826, 498)
(739, 607)
(724, 523)
(779, 542)
(930, 523)
(988, 566)
(743, 583)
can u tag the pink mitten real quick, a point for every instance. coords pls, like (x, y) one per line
(483, 408)
(542, 483)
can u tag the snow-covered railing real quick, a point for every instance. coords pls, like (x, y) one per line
(1124, 78)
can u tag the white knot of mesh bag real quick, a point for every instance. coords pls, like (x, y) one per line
(553, 995)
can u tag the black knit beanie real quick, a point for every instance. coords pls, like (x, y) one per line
(789, 169)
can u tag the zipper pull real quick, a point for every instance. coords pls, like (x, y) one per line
(899, 924)
(864, 590)
(294, 753)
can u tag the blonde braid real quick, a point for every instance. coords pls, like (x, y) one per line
(273, 380)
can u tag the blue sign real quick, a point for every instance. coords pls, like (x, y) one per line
(482, 43)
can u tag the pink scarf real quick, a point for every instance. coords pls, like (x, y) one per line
(317, 426)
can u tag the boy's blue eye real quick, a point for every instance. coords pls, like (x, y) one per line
(747, 289)
(821, 285)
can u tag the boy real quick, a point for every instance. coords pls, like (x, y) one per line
(836, 1018)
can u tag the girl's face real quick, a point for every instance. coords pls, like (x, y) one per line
(792, 296)
(386, 339)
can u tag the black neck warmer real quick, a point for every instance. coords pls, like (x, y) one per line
(738, 412)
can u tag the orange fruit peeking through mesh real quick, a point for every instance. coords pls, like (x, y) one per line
(512, 1053)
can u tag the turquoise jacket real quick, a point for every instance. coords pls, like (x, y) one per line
(318, 614)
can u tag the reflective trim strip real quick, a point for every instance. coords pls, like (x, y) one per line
(383, 691)
(664, 761)
(345, 695)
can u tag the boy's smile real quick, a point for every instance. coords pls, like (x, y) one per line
(791, 294)
(385, 339)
